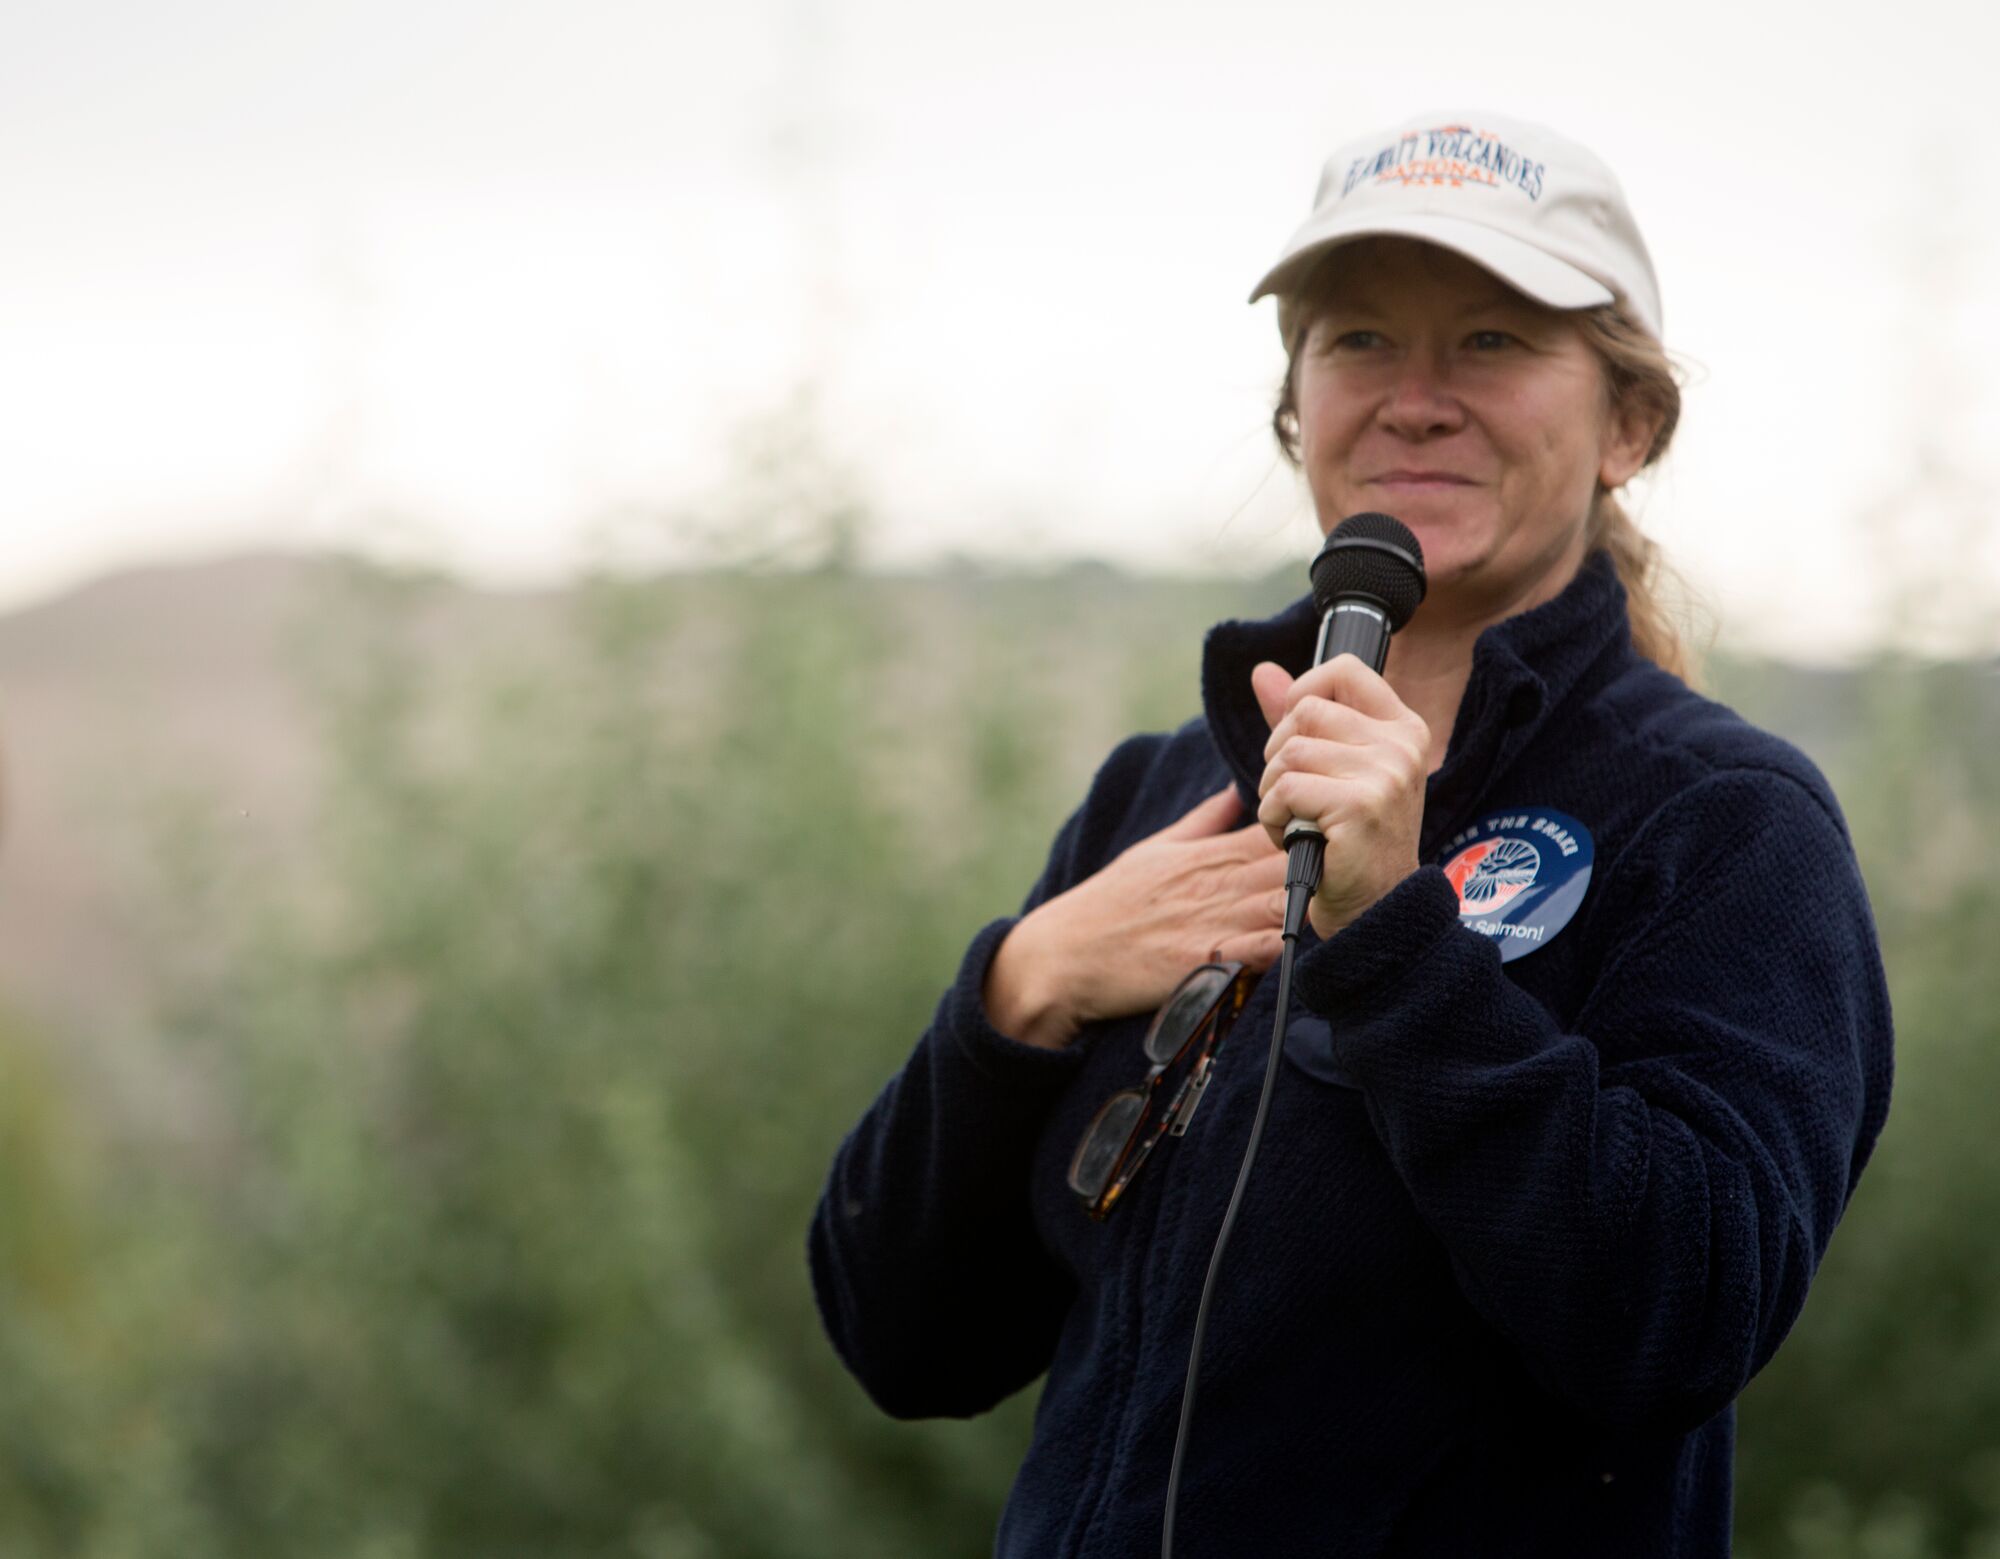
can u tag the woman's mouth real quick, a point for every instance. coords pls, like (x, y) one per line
(1419, 481)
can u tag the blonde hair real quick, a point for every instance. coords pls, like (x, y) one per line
(1637, 373)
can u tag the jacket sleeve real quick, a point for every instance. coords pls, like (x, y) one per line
(930, 1279)
(1639, 1206)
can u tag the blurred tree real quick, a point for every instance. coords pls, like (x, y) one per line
(521, 1072)
(1888, 1388)
(529, 1084)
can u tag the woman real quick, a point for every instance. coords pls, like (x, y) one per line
(1588, 1041)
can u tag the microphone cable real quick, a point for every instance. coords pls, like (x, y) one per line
(1367, 581)
(1302, 869)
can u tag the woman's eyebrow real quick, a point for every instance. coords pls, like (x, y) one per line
(1349, 304)
(1512, 302)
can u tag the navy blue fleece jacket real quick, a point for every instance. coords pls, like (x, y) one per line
(1518, 1233)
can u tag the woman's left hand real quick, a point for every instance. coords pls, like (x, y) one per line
(1350, 755)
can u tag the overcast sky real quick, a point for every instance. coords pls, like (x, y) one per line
(487, 283)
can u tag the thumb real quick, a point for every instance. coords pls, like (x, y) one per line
(1271, 683)
(1210, 816)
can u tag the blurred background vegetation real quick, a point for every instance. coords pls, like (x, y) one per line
(463, 1210)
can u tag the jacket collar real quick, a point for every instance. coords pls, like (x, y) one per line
(1523, 667)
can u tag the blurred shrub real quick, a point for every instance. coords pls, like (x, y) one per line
(1880, 1416)
(520, 1075)
(526, 1072)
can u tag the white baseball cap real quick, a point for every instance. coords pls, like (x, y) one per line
(1542, 213)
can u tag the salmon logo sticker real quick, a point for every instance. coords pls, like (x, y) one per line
(1491, 872)
(1519, 876)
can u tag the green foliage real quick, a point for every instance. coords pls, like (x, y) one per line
(525, 1073)
(519, 1076)
(1880, 1417)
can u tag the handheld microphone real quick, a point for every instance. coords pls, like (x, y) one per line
(1366, 582)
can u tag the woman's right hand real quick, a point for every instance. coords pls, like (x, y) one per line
(1119, 941)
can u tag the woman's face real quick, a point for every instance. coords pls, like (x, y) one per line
(1432, 391)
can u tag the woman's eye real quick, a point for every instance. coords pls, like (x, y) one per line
(1489, 340)
(1357, 339)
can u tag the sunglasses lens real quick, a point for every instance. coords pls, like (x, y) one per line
(1184, 1011)
(1097, 1155)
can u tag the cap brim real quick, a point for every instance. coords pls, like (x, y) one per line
(1521, 265)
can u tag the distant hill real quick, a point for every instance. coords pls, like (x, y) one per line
(118, 693)
(186, 678)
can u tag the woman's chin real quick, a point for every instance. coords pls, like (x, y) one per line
(1446, 556)
(1458, 580)
(1448, 537)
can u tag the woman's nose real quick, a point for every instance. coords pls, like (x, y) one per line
(1420, 403)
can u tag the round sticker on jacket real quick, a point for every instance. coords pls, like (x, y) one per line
(1519, 876)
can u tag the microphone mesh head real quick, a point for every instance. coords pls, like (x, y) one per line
(1372, 555)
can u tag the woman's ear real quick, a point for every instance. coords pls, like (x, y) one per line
(1628, 438)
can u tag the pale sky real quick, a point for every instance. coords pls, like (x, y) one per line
(473, 281)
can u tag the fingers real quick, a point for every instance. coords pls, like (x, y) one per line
(1309, 755)
(1215, 815)
(1272, 684)
(1342, 700)
(1254, 934)
(1249, 846)
(1267, 871)
(1315, 717)
(1346, 679)
(1254, 915)
(1359, 800)
(1258, 949)
(1219, 818)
